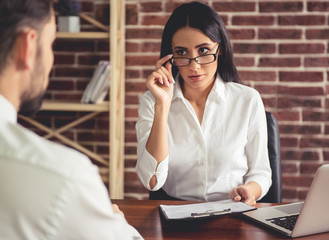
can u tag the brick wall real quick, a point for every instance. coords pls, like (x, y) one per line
(281, 49)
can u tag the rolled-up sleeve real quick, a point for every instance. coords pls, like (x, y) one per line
(256, 148)
(147, 166)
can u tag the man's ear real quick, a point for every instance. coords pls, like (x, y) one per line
(26, 46)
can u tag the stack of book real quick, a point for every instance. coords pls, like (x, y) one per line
(99, 84)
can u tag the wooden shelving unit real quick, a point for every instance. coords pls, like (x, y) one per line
(115, 107)
(83, 35)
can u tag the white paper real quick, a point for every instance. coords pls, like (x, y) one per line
(185, 211)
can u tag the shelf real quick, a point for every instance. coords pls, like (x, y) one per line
(82, 35)
(49, 105)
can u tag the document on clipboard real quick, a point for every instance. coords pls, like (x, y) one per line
(202, 210)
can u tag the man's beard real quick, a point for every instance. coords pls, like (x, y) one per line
(31, 103)
(31, 106)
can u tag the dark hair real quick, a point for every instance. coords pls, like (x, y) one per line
(15, 15)
(201, 16)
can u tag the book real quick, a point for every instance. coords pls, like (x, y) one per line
(98, 85)
(202, 210)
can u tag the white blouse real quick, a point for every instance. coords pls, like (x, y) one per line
(207, 161)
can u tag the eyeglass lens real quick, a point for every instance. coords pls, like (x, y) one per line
(200, 60)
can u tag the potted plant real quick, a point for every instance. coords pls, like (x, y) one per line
(68, 19)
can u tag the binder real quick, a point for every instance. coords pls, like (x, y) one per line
(203, 210)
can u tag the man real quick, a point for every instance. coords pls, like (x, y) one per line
(47, 191)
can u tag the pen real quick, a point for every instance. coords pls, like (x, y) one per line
(210, 213)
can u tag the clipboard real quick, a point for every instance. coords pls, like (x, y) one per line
(203, 210)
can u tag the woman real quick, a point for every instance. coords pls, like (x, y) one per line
(202, 136)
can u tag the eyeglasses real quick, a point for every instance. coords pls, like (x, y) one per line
(202, 60)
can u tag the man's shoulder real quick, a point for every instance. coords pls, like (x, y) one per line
(21, 144)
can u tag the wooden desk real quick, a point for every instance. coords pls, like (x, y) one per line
(144, 216)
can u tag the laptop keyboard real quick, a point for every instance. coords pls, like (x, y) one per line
(287, 222)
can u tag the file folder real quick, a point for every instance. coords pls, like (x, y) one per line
(203, 210)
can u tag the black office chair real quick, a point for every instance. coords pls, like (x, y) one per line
(274, 193)
(273, 144)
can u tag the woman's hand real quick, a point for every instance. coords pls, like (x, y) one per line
(247, 193)
(116, 209)
(160, 81)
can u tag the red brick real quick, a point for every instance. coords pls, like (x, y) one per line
(301, 76)
(289, 194)
(270, 102)
(300, 129)
(73, 72)
(61, 85)
(91, 59)
(286, 102)
(136, 87)
(293, 48)
(289, 167)
(130, 125)
(93, 136)
(287, 116)
(244, 61)
(266, 89)
(279, 62)
(131, 14)
(318, 6)
(74, 46)
(130, 163)
(293, 6)
(151, 47)
(64, 96)
(297, 181)
(135, 187)
(130, 137)
(314, 142)
(305, 20)
(309, 168)
(315, 116)
(301, 91)
(317, 34)
(132, 47)
(279, 33)
(64, 59)
(102, 11)
(154, 20)
(131, 99)
(316, 62)
(144, 33)
(87, 6)
(129, 73)
(102, 46)
(151, 7)
(234, 6)
(253, 48)
(253, 20)
(267, 76)
(288, 142)
(170, 6)
(236, 34)
(141, 60)
(131, 177)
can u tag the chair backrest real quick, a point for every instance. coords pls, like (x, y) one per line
(274, 193)
(273, 144)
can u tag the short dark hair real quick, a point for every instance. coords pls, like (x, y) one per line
(15, 15)
(203, 17)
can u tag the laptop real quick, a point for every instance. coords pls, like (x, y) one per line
(301, 218)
